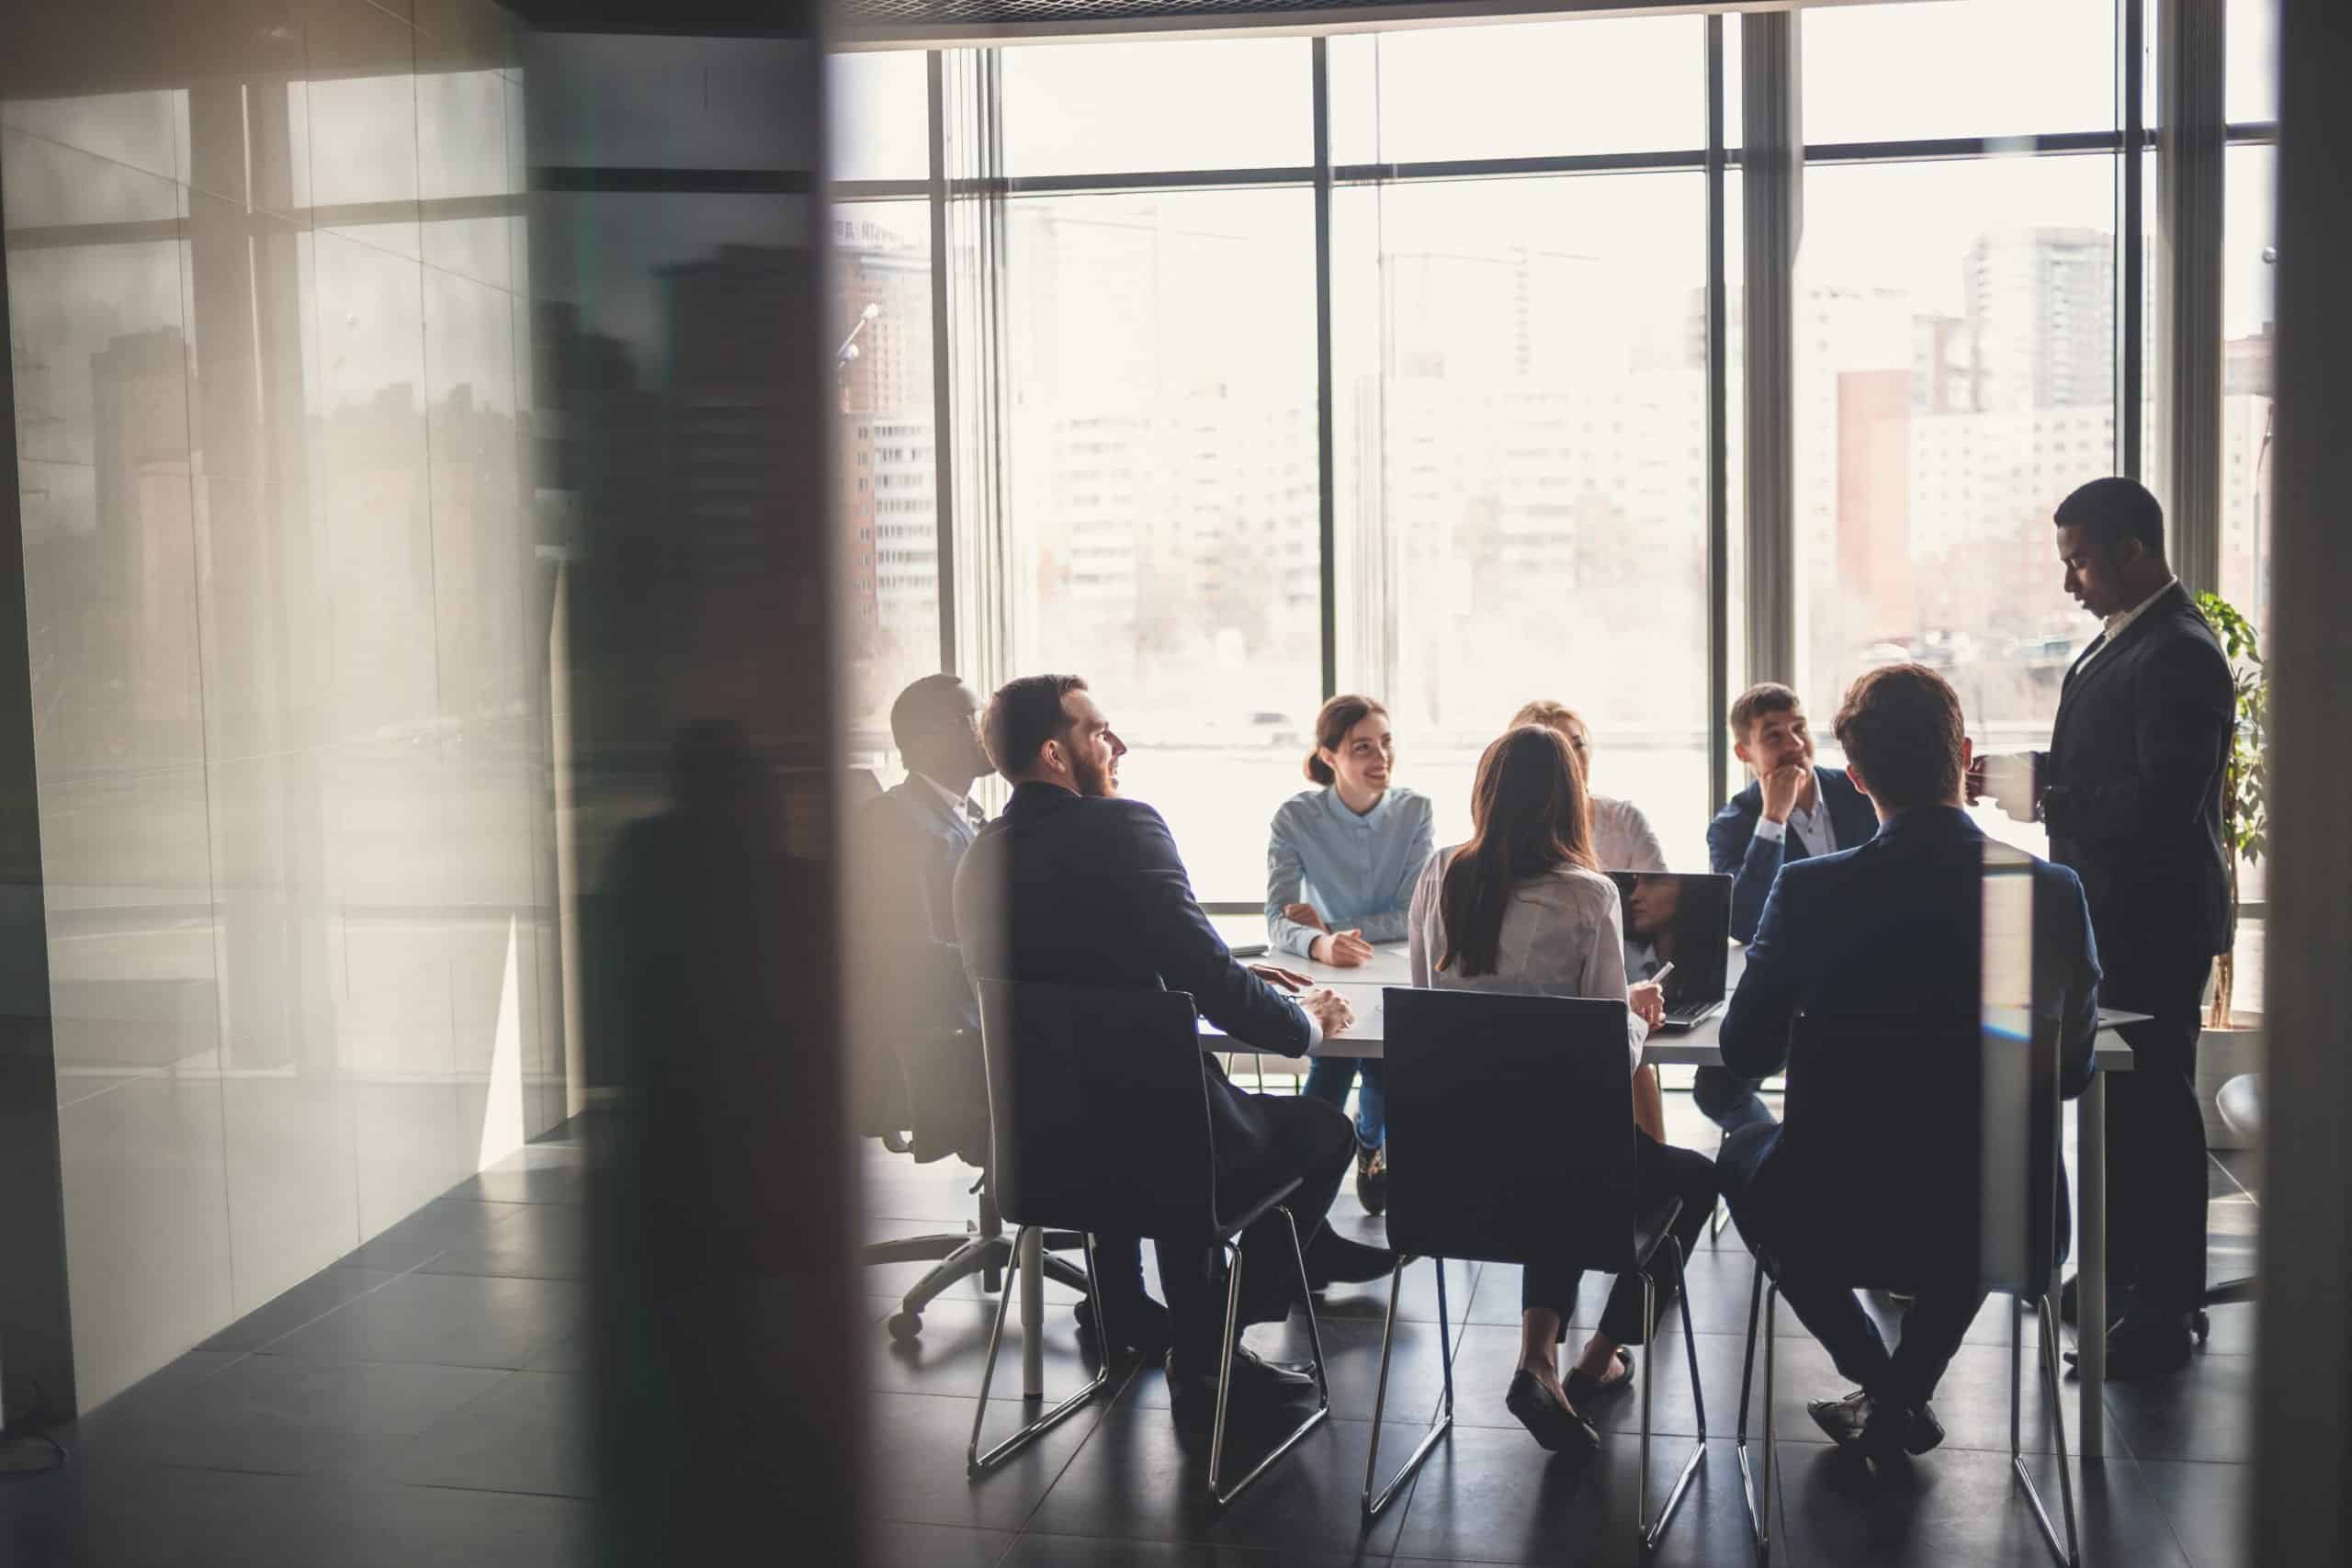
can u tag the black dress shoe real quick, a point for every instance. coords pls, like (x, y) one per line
(1138, 1325)
(1874, 1429)
(1191, 1384)
(1551, 1424)
(1372, 1179)
(1335, 1260)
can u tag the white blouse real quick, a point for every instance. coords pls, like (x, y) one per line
(1562, 936)
(1621, 837)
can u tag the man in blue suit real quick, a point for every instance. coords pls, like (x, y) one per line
(1075, 886)
(1892, 927)
(1792, 810)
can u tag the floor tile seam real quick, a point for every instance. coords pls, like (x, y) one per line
(334, 1360)
(390, 1275)
(1102, 1407)
(484, 1491)
(1271, 1553)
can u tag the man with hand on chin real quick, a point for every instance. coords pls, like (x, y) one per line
(2131, 790)
(1073, 885)
(1792, 810)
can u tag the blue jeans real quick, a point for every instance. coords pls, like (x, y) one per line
(1328, 1081)
(1727, 1100)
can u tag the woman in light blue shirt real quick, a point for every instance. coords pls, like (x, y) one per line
(1341, 866)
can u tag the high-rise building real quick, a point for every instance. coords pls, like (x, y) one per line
(2040, 309)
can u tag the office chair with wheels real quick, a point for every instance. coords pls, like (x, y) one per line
(1100, 1099)
(1901, 1229)
(1514, 1116)
(2240, 1103)
(935, 1089)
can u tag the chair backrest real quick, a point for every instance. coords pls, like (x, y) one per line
(1510, 1127)
(1928, 1147)
(1099, 1097)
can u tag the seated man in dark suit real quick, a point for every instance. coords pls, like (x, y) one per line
(1075, 886)
(1894, 928)
(1790, 811)
(915, 996)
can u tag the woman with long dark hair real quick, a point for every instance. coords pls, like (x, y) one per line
(1520, 908)
(1340, 868)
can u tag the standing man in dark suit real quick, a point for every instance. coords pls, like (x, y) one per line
(2131, 790)
(1792, 810)
(1075, 886)
(1891, 929)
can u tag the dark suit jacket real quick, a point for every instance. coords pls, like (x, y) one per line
(2132, 783)
(1081, 890)
(1895, 928)
(911, 841)
(1735, 850)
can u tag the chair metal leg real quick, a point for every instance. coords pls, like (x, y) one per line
(2070, 1552)
(1651, 1532)
(1439, 1427)
(977, 1463)
(1063, 1271)
(1756, 1489)
(1747, 1361)
(1222, 1496)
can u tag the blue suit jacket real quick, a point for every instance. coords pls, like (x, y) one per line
(1083, 890)
(1896, 927)
(1734, 850)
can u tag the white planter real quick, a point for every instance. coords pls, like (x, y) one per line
(2222, 1054)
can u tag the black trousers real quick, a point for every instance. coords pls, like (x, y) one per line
(1660, 1169)
(2156, 1131)
(1932, 1329)
(1308, 1141)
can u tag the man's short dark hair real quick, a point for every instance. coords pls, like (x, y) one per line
(915, 717)
(1023, 715)
(1765, 696)
(1902, 731)
(2112, 510)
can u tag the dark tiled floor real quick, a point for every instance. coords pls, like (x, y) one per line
(425, 1402)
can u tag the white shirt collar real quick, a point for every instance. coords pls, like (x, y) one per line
(960, 804)
(2123, 618)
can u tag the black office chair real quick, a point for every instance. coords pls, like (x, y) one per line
(934, 1088)
(1512, 1120)
(1100, 1100)
(1894, 1235)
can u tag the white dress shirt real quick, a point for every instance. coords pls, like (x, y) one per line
(1812, 826)
(1562, 936)
(2116, 624)
(960, 807)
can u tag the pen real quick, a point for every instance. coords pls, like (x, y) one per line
(1664, 969)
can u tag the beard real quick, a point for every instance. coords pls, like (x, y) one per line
(1096, 781)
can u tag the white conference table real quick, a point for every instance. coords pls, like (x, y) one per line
(1702, 1046)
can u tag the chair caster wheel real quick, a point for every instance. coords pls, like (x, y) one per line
(905, 1325)
(991, 1280)
(2202, 1325)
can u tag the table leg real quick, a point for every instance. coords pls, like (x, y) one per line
(2090, 1334)
(1032, 1271)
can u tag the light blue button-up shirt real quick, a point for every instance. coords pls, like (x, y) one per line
(1358, 871)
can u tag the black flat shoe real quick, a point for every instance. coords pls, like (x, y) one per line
(1584, 1388)
(1553, 1425)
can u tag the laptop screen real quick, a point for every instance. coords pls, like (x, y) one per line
(1684, 920)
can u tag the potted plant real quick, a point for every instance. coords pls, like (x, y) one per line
(2232, 1043)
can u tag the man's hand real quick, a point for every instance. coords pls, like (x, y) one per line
(1974, 781)
(1305, 915)
(1783, 787)
(1648, 1002)
(1281, 979)
(1331, 1009)
(1342, 950)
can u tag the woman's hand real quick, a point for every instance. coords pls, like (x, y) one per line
(1305, 915)
(1648, 1002)
(1342, 950)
